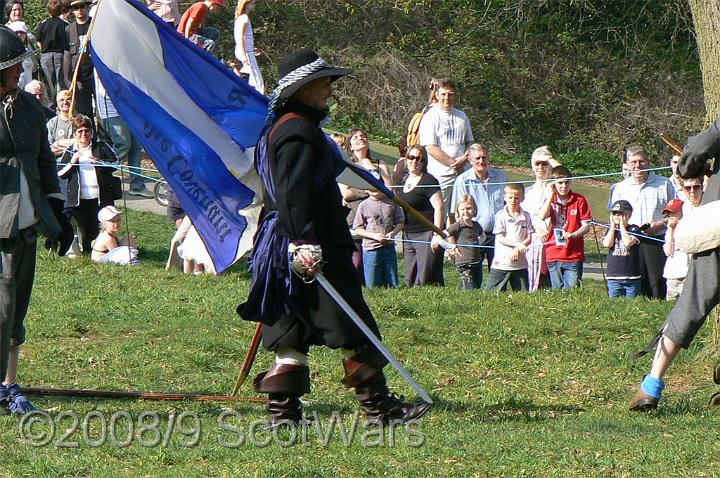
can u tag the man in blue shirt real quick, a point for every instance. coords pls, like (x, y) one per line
(485, 185)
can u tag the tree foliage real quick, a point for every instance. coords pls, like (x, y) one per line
(575, 74)
(579, 74)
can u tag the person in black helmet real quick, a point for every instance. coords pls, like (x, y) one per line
(30, 204)
(304, 216)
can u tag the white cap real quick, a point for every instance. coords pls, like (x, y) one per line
(18, 26)
(108, 213)
(542, 153)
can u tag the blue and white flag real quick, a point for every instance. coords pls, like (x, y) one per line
(197, 121)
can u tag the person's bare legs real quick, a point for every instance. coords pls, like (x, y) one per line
(648, 396)
(665, 353)
(11, 373)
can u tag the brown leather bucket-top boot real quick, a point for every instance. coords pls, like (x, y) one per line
(284, 384)
(363, 372)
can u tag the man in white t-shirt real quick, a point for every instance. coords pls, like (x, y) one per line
(445, 132)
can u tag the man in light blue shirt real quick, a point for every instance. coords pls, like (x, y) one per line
(648, 193)
(486, 186)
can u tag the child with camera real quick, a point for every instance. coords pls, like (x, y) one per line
(623, 261)
(570, 218)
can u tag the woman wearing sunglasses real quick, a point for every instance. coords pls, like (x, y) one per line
(541, 162)
(423, 261)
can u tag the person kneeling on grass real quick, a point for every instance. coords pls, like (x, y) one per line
(107, 247)
(378, 220)
(623, 261)
(513, 234)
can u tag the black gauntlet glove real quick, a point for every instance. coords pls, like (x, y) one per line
(60, 243)
(698, 150)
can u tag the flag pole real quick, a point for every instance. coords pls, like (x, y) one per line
(249, 359)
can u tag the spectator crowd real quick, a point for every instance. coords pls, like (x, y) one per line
(499, 234)
(525, 238)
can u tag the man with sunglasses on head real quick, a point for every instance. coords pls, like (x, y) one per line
(445, 132)
(648, 193)
(76, 32)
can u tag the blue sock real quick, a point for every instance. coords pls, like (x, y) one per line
(652, 386)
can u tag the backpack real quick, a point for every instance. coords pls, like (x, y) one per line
(413, 131)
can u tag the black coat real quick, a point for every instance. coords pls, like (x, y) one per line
(309, 209)
(32, 155)
(307, 196)
(103, 152)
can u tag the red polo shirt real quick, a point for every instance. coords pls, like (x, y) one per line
(197, 11)
(567, 217)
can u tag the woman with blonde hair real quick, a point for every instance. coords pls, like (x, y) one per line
(245, 45)
(541, 162)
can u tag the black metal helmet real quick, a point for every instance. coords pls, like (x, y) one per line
(12, 51)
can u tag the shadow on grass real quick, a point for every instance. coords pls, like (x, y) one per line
(510, 410)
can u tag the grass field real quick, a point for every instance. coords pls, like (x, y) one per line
(524, 385)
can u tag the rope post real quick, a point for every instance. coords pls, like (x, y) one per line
(602, 267)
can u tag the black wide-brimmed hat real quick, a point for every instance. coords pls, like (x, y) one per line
(300, 68)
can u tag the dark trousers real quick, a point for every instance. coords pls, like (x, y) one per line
(85, 215)
(470, 275)
(51, 63)
(422, 265)
(700, 295)
(652, 263)
(499, 280)
(17, 271)
(488, 253)
(317, 319)
(357, 258)
(84, 94)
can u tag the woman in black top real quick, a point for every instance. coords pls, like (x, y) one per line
(90, 182)
(423, 262)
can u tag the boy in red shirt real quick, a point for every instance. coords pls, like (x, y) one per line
(191, 26)
(570, 218)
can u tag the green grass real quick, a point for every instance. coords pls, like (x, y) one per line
(523, 384)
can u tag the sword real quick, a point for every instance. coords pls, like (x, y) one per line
(370, 335)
